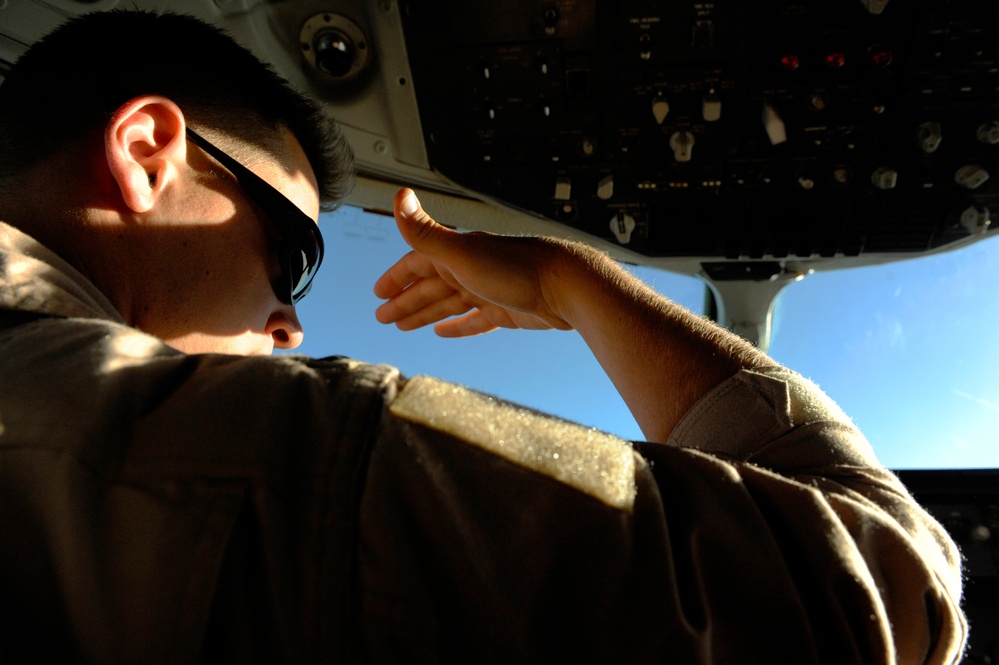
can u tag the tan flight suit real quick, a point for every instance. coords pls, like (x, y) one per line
(162, 507)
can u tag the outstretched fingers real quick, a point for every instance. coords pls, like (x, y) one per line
(486, 281)
(421, 305)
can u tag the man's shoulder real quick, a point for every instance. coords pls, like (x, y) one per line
(36, 340)
(81, 380)
(588, 460)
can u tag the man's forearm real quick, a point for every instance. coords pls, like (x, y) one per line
(661, 357)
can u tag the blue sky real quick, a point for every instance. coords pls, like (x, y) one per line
(904, 348)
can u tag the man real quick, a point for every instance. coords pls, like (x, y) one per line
(167, 496)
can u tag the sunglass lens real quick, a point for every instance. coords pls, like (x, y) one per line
(304, 263)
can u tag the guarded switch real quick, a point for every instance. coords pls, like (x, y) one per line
(682, 143)
(621, 225)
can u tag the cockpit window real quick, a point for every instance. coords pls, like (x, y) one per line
(904, 347)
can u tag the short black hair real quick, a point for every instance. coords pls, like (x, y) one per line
(98, 61)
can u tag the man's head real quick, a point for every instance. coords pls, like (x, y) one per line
(99, 61)
(173, 235)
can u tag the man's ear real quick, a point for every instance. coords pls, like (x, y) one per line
(145, 144)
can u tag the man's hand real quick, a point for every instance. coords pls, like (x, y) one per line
(486, 281)
(661, 357)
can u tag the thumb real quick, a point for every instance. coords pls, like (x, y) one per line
(418, 229)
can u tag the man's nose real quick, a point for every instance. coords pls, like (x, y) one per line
(285, 329)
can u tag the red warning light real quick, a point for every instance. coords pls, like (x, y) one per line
(790, 62)
(835, 60)
(880, 57)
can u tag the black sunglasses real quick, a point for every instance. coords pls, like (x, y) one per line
(301, 249)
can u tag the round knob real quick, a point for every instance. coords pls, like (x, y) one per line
(928, 137)
(976, 219)
(818, 101)
(971, 176)
(885, 178)
(988, 133)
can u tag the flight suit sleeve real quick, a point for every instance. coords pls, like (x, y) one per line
(816, 478)
(763, 531)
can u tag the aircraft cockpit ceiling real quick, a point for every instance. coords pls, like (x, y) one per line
(746, 142)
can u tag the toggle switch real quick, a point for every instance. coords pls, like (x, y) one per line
(660, 109)
(774, 125)
(711, 107)
(988, 133)
(551, 20)
(682, 143)
(605, 188)
(563, 189)
(621, 225)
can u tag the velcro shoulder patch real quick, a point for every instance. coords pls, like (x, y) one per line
(591, 461)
